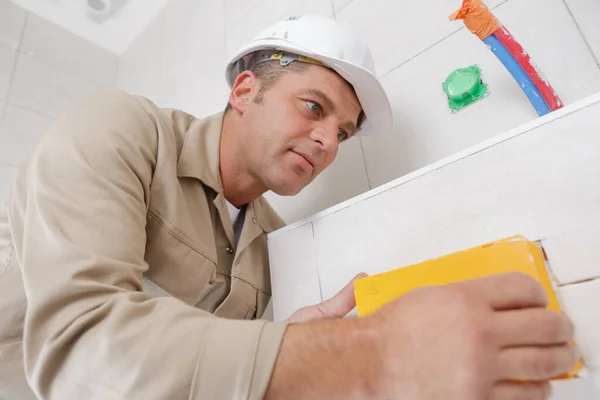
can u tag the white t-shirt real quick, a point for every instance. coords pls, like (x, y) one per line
(234, 214)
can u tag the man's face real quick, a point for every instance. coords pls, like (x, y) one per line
(292, 134)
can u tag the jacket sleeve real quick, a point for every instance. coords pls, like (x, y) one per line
(90, 333)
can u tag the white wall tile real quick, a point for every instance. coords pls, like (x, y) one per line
(547, 31)
(295, 282)
(580, 389)
(580, 302)
(140, 66)
(7, 174)
(574, 248)
(179, 60)
(200, 96)
(345, 178)
(194, 36)
(194, 57)
(45, 89)
(8, 57)
(60, 48)
(268, 314)
(339, 4)
(399, 30)
(425, 129)
(268, 12)
(586, 13)
(20, 132)
(236, 10)
(537, 181)
(12, 22)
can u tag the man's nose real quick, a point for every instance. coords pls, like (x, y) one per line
(326, 137)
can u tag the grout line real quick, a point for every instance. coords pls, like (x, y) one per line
(498, 5)
(579, 282)
(96, 85)
(22, 35)
(312, 227)
(226, 45)
(14, 68)
(420, 53)
(587, 43)
(161, 48)
(432, 46)
(365, 162)
(4, 103)
(345, 5)
(31, 111)
(4, 164)
(333, 10)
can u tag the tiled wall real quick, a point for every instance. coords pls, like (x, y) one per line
(44, 70)
(179, 60)
(425, 129)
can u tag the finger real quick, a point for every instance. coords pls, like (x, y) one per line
(536, 363)
(521, 391)
(531, 327)
(509, 291)
(342, 302)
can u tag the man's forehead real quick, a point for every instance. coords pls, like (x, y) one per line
(329, 82)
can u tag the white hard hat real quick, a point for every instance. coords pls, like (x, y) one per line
(337, 47)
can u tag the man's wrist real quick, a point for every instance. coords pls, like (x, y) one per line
(326, 358)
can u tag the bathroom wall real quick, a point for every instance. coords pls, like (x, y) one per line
(44, 70)
(179, 59)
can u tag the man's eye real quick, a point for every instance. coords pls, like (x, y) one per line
(342, 136)
(314, 107)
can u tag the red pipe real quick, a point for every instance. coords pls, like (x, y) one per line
(523, 58)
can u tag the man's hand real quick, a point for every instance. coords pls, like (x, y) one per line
(336, 307)
(471, 340)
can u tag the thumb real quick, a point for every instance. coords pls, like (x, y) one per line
(342, 302)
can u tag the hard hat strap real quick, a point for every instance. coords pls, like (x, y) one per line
(285, 58)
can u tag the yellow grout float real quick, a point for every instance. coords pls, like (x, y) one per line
(513, 254)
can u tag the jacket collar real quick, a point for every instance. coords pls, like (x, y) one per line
(199, 159)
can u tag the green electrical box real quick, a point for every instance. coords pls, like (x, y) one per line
(464, 87)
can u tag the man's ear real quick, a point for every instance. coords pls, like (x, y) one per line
(243, 91)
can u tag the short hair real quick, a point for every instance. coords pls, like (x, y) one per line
(269, 72)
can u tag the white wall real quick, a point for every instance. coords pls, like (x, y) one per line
(412, 73)
(114, 31)
(44, 70)
(178, 61)
(538, 180)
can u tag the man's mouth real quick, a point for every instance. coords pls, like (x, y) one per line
(310, 162)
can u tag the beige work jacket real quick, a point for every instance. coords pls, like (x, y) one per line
(119, 273)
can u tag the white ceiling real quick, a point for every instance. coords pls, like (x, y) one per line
(114, 29)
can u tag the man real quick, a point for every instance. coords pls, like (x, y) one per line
(134, 244)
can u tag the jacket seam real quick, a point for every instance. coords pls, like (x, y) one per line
(176, 233)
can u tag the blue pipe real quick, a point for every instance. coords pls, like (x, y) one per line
(519, 74)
